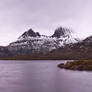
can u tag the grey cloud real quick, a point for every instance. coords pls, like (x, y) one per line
(44, 16)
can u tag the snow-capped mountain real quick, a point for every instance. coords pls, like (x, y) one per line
(33, 42)
(61, 45)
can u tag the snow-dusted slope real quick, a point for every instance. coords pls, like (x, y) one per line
(33, 42)
(65, 35)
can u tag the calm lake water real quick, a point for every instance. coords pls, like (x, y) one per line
(42, 76)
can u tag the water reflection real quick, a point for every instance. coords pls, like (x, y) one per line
(41, 76)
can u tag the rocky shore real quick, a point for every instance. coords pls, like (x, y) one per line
(77, 65)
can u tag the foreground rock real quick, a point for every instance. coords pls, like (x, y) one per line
(77, 65)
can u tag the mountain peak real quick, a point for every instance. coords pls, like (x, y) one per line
(29, 33)
(61, 32)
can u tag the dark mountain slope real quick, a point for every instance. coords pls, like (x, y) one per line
(80, 50)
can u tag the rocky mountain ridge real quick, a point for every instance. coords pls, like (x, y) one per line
(33, 42)
(60, 45)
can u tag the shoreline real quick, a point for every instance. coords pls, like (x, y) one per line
(80, 65)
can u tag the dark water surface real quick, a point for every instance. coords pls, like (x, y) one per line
(42, 76)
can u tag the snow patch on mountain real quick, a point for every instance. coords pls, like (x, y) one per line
(34, 42)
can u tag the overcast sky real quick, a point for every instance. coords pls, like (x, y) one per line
(44, 16)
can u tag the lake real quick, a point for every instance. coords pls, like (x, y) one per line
(42, 76)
